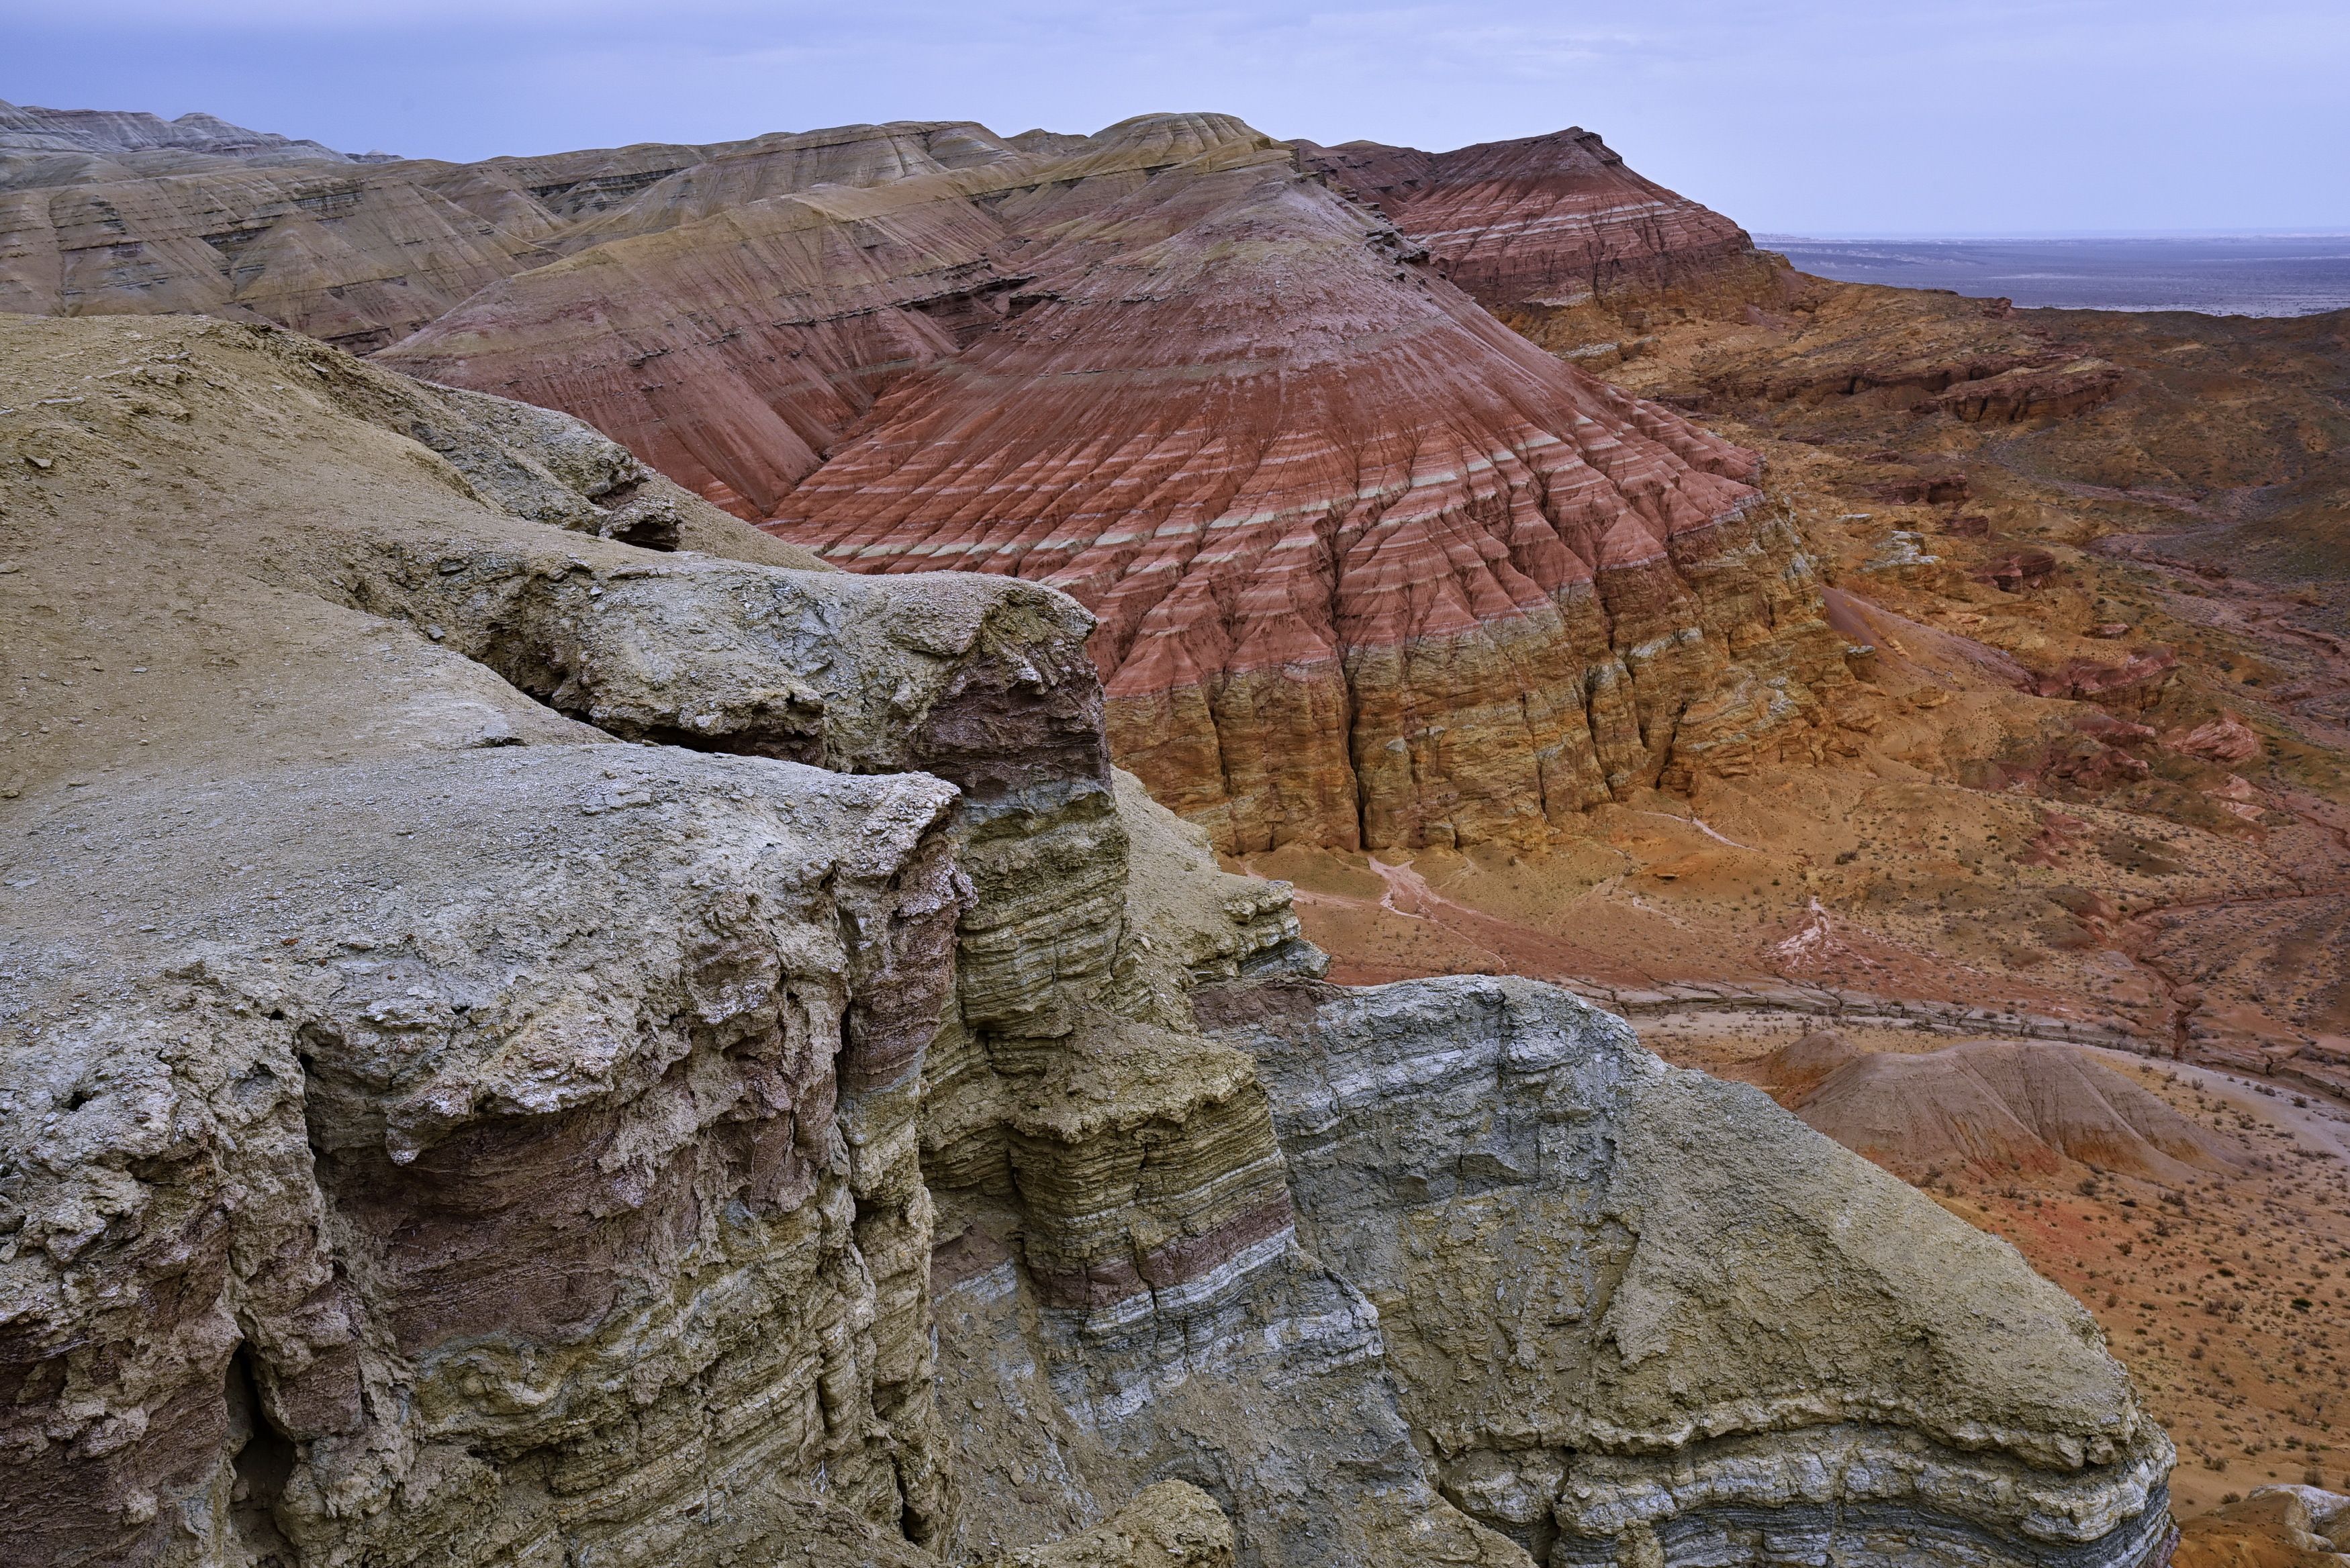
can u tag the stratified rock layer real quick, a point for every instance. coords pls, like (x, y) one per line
(733, 320)
(523, 1046)
(1637, 1319)
(1550, 222)
(1371, 570)
(489, 1140)
(731, 351)
(116, 134)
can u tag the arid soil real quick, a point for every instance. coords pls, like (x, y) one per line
(2226, 1295)
(2099, 771)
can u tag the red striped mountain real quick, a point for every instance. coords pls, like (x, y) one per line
(758, 302)
(1372, 568)
(1554, 234)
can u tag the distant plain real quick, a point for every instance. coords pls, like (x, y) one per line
(2289, 274)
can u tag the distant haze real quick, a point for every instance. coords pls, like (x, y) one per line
(2218, 275)
(1822, 116)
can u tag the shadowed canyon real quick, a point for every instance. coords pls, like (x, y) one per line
(905, 846)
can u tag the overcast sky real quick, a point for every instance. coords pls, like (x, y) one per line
(1803, 116)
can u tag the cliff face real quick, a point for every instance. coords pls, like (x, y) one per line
(1588, 1266)
(442, 1130)
(485, 1135)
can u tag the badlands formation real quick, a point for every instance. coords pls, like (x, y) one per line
(585, 999)
(528, 1047)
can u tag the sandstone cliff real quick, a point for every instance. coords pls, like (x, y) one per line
(523, 1046)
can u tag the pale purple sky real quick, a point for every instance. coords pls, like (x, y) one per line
(1810, 116)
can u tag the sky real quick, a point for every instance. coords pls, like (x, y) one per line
(1813, 117)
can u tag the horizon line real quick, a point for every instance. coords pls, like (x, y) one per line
(1919, 237)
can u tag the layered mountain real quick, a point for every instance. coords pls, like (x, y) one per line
(122, 133)
(1556, 233)
(2087, 787)
(759, 302)
(1371, 569)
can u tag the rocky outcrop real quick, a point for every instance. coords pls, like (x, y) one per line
(1170, 1525)
(2048, 391)
(523, 1046)
(433, 1220)
(1555, 234)
(293, 1280)
(489, 1139)
(2276, 1527)
(1635, 1317)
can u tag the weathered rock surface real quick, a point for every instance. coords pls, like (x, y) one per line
(465, 1196)
(1171, 1525)
(435, 1129)
(1635, 1317)
(536, 1168)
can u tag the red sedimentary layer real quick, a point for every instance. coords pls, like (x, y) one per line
(1549, 223)
(730, 352)
(756, 303)
(1371, 569)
